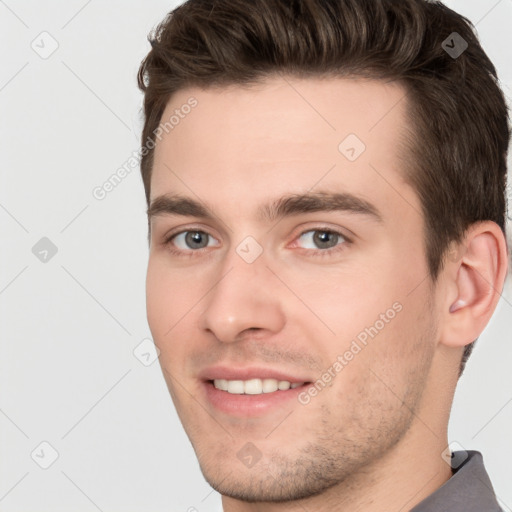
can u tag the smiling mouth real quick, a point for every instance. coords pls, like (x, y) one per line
(254, 386)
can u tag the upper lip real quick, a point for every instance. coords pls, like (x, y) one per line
(232, 373)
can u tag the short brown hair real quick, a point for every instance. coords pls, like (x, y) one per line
(457, 156)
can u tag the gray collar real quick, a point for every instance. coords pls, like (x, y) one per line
(468, 490)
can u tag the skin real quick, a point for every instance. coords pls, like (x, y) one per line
(372, 440)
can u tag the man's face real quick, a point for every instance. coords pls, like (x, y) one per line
(240, 297)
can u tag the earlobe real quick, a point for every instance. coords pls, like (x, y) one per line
(477, 278)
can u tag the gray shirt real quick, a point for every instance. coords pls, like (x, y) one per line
(468, 490)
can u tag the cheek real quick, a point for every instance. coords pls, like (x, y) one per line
(390, 370)
(377, 325)
(401, 354)
(157, 300)
(168, 300)
(342, 301)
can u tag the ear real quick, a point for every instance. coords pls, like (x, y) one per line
(475, 275)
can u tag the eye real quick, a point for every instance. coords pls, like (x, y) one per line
(323, 239)
(187, 240)
(317, 242)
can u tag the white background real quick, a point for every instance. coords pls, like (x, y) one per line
(68, 375)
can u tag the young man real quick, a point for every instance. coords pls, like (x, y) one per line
(325, 183)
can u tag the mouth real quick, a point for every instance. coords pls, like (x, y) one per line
(253, 397)
(254, 386)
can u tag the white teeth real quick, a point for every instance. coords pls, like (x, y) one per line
(236, 387)
(270, 385)
(254, 386)
(221, 384)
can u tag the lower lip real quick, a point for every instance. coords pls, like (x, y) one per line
(249, 405)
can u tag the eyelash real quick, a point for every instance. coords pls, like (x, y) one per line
(319, 253)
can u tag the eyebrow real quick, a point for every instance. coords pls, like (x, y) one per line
(286, 206)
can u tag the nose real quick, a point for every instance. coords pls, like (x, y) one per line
(245, 297)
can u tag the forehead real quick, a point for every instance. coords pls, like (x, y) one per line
(284, 134)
